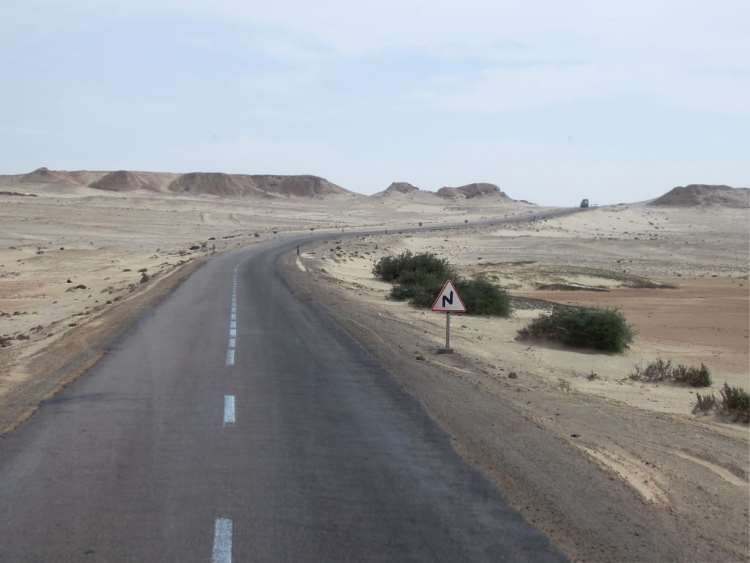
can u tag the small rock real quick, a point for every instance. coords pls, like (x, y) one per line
(513, 375)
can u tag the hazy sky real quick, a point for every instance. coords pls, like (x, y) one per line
(552, 101)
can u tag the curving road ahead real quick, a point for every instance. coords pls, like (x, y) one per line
(237, 423)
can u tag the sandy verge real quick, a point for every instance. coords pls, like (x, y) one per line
(688, 474)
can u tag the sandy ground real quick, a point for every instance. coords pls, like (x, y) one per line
(71, 254)
(680, 278)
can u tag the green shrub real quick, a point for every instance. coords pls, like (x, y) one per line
(704, 403)
(418, 287)
(600, 329)
(392, 268)
(693, 376)
(419, 278)
(403, 292)
(659, 371)
(680, 373)
(483, 298)
(735, 401)
(418, 295)
(654, 372)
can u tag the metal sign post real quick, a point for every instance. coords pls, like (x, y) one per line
(448, 301)
(448, 332)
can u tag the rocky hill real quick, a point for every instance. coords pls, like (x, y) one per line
(703, 195)
(215, 183)
(126, 180)
(260, 185)
(298, 186)
(400, 188)
(195, 183)
(44, 175)
(470, 191)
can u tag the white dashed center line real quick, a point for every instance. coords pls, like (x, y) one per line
(222, 552)
(232, 346)
(229, 413)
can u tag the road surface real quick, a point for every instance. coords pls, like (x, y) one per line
(237, 423)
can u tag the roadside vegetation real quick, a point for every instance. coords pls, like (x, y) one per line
(418, 278)
(663, 371)
(598, 329)
(733, 402)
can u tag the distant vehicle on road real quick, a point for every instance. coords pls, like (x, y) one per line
(584, 203)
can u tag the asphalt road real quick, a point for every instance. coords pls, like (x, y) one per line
(270, 437)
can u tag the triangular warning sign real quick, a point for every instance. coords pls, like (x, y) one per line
(448, 300)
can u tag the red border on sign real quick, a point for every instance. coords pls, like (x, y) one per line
(461, 301)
